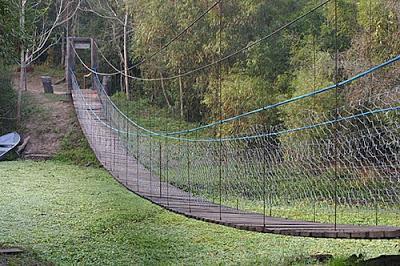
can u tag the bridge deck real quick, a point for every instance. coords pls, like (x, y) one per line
(139, 180)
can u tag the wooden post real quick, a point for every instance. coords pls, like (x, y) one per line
(94, 62)
(106, 84)
(70, 62)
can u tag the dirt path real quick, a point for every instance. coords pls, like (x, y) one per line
(46, 118)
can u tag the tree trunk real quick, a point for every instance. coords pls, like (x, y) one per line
(164, 92)
(19, 108)
(67, 47)
(22, 77)
(63, 51)
(126, 56)
(121, 83)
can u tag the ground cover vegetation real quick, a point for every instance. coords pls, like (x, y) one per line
(66, 214)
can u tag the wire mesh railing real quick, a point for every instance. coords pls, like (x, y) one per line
(339, 166)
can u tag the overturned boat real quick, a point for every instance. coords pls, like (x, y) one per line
(8, 142)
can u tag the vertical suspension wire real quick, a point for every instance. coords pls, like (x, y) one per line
(91, 121)
(106, 139)
(196, 175)
(117, 137)
(109, 155)
(179, 175)
(370, 49)
(103, 130)
(264, 177)
(271, 187)
(220, 107)
(120, 143)
(370, 92)
(336, 112)
(111, 136)
(188, 168)
(137, 147)
(160, 153)
(314, 100)
(160, 170)
(227, 167)
(114, 134)
(151, 151)
(127, 137)
(105, 111)
(166, 148)
(99, 131)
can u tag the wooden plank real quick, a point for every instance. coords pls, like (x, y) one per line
(10, 251)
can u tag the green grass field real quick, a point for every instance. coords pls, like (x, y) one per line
(65, 214)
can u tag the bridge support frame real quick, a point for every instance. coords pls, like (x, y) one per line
(80, 43)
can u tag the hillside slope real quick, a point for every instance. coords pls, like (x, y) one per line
(50, 122)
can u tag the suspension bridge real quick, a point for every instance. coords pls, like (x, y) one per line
(306, 180)
(120, 151)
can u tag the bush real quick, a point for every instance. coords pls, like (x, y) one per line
(8, 103)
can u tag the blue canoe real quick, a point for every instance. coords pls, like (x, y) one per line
(8, 143)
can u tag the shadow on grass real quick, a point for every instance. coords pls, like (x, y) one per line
(26, 257)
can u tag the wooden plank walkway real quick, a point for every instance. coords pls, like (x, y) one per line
(111, 152)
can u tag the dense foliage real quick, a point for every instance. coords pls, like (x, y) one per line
(8, 99)
(8, 30)
(296, 61)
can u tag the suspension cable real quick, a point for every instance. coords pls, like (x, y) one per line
(267, 134)
(265, 108)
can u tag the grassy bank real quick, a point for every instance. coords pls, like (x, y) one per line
(75, 149)
(73, 215)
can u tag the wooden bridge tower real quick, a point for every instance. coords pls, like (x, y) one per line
(75, 44)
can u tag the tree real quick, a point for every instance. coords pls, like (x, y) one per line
(117, 17)
(376, 41)
(241, 93)
(243, 22)
(38, 21)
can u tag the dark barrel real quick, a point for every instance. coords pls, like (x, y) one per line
(47, 84)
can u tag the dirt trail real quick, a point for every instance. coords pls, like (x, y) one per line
(46, 118)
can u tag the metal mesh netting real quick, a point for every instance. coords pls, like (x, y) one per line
(342, 163)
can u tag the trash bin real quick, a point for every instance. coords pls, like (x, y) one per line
(47, 84)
